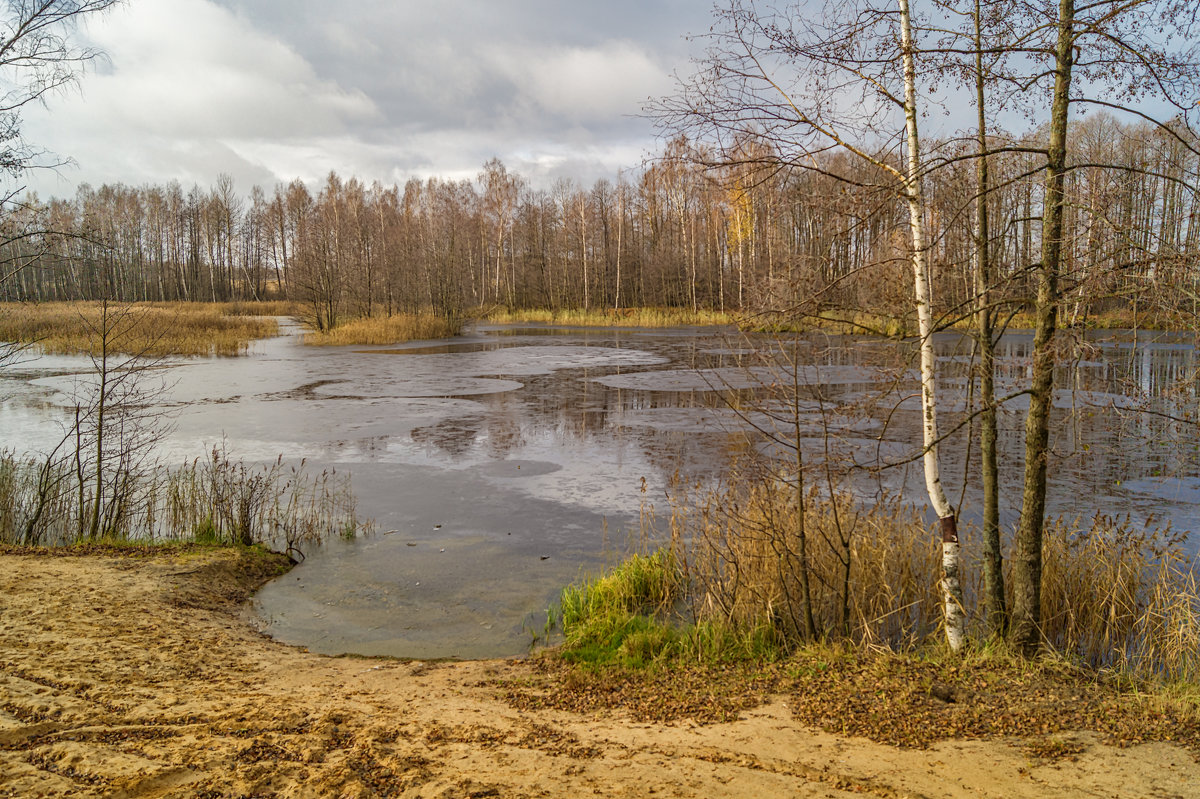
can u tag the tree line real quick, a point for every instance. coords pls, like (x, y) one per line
(690, 229)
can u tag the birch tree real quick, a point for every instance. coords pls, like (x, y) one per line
(955, 614)
(810, 83)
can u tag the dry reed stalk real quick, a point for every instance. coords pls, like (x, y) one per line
(153, 330)
(386, 330)
(739, 548)
(608, 317)
(212, 500)
(1115, 594)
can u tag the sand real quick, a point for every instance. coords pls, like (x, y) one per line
(141, 677)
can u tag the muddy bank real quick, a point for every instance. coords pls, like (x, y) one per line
(137, 677)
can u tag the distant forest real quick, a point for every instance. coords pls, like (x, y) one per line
(755, 233)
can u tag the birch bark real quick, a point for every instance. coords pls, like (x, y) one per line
(954, 614)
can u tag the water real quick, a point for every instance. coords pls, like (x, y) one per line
(501, 465)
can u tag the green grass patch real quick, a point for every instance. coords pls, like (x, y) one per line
(626, 618)
(614, 618)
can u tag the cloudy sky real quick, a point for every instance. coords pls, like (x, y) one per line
(271, 90)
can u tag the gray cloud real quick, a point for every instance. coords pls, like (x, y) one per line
(270, 90)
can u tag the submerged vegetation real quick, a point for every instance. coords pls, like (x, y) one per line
(155, 329)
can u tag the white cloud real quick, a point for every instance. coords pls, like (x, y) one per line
(188, 67)
(271, 90)
(586, 84)
(185, 86)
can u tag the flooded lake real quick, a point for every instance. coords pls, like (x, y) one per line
(503, 464)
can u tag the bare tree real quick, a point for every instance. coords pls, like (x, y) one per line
(1107, 54)
(37, 57)
(116, 421)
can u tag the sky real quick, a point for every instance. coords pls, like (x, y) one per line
(273, 90)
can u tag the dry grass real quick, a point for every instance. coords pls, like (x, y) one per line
(252, 307)
(1120, 603)
(608, 317)
(741, 551)
(386, 330)
(1113, 319)
(1115, 596)
(1121, 596)
(901, 699)
(150, 330)
(211, 501)
(834, 322)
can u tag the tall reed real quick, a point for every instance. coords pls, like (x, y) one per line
(210, 500)
(872, 570)
(1120, 595)
(386, 330)
(1115, 594)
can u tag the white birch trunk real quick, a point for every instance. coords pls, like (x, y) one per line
(955, 617)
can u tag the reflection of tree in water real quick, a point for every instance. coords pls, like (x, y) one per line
(454, 436)
(505, 432)
(568, 409)
(1096, 447)
(696, 457)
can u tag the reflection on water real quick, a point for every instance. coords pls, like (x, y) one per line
(501, 464)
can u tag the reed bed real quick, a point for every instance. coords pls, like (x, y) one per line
(1113, 319)
(608, 317)
(253, 307)
(834, 322)
(1115, 596)
(386, 330)
(147, 330)
(1122, 596)
(872, 571)
(211, 500)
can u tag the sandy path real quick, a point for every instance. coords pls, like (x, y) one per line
(137, 678)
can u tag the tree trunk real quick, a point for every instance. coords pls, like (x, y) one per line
(1027, 560)
(955, 616)
(993, 573)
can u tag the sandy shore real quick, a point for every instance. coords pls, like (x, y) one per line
(138, 678)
